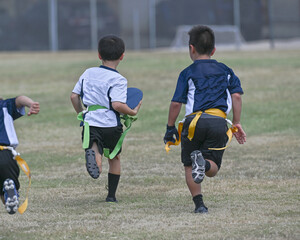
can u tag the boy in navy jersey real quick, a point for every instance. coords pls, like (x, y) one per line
(209, 89)
(10, 110)
(103, 91)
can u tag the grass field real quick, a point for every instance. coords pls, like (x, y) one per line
(256, 194)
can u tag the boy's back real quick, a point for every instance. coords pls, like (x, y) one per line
(101, 86)
(209, 85)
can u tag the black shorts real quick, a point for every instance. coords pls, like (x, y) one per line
(8, 169)
(105, 137)
(210, 132)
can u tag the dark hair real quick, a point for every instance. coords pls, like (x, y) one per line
(203, 39)
(111, 47)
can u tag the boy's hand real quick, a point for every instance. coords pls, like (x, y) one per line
(169, 136)
(34, 108)
(240, 135)
(137, 108)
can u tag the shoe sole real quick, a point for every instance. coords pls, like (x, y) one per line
(91, 164)
(111, 201)
(11, 201)
(198, 166)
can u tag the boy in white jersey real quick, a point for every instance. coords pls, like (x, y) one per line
(103, 91)
(209, 89)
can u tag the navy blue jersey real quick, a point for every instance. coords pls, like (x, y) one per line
(206, 84)
(9, 113)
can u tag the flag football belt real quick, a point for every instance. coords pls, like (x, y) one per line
(128, 120)
(25, 169)
(192, 126)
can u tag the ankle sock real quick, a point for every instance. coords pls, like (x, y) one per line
(198, 200)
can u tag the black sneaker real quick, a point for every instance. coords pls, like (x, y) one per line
(11, 196)
(91, 164)
(198, 166)
(201, 209)
(111, 200)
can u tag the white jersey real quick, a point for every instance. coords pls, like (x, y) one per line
(102, 86)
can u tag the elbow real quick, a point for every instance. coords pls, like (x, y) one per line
(74, 97)
(116, 106)
(176, 105)
(236, 97)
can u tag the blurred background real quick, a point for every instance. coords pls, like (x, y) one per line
(27, 25)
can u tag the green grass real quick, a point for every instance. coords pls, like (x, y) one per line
(254, 196)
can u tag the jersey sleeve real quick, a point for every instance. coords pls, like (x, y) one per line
(13, 110)
(180, 94)
(118, 92)
(78, 87)
(234, 83)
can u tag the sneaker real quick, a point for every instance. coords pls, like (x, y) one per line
(198, 166)
(201, 209)
(11, 196)
(111, 200)
(91, 164)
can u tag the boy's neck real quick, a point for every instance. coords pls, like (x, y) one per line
(196, 56)
(201, 57)
(111, 64)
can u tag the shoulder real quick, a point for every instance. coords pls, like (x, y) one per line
(91, 70)
(185, 73)
(224, 66)
(8, 103)
(117, 78)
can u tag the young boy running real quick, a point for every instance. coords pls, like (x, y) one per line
(209, 89)
(10, 110)
(103, 91)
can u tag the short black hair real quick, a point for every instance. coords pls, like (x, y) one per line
(203, 39)
(111, 47)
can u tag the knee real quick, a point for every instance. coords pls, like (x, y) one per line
(213, 169)
(211, 173)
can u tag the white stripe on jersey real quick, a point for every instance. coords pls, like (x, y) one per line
(10, 129)
(190, 98)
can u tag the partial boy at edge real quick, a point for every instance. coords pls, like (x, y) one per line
(11, 109)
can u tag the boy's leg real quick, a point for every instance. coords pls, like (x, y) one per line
(8, 169)
(195, 190)
(93, 161)
(114, 173)
(9, 183)
(198, 166)
(11, 196)
(213, 169)
(98, 156)
(202, 167)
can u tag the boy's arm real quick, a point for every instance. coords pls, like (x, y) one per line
(123, 108)
(75, 99)
(174, 111)
(237, 110)
(23, 101)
